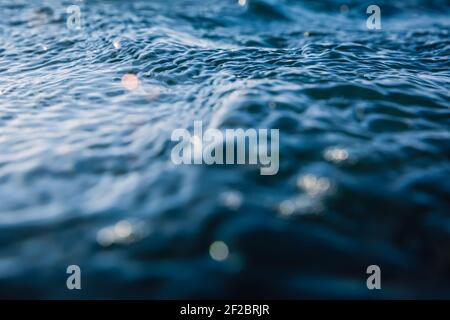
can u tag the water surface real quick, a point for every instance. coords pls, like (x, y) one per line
(85, 170)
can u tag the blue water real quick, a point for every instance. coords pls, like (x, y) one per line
(86, 176)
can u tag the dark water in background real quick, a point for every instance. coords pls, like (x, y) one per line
(85, 170)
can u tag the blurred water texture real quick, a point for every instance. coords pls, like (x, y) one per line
(85, 172)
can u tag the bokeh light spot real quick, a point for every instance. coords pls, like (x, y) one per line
(218, 251)
(130, 82)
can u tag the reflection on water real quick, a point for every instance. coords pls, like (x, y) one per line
(86, 178)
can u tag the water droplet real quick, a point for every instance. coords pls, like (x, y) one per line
(336, 154)
(286, 208)
(313, 185)
(242, 2)
(232, 199)
(105, 237)
(123, 232)
(218, 250)
(123, 229)
(116, 44)
(130, 81)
